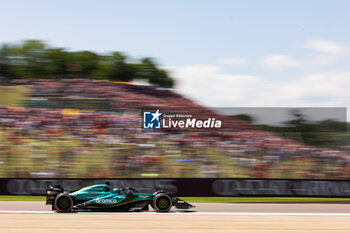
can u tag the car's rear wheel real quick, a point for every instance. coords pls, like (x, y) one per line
(63, 203)
(162, 203)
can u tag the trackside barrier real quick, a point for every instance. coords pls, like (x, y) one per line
(191, 187)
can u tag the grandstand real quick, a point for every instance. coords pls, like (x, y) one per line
(92, 128)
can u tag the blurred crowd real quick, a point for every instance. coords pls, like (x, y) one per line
(100, 135)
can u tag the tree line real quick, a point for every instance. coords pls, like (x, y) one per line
(326, 133)
(35, 59)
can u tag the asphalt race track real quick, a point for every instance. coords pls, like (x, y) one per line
(37, 217)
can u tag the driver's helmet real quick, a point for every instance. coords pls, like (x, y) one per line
(116, 190)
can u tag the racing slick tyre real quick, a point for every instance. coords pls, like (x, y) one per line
(162, 203)
(63, 203)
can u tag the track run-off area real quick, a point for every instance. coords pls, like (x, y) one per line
(208, 217)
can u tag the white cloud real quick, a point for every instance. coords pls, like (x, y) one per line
(209, 86)
(325, 53)
(280, 60)
(322, 59)
(324, 46)
(315, 89)
(235, 61)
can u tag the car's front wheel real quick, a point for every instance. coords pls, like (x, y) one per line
(162, 203)
(63, 203)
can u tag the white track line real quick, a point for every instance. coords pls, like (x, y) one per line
(269, 214)
(25, 212)
(182, 213)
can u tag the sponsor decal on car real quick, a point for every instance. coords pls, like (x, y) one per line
(106, 201)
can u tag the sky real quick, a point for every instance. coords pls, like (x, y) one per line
(221, 53)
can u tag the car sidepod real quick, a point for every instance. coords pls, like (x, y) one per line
(118, 202)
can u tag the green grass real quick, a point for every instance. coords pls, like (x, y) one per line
(10, 95)
(22, 198)
(212, 199)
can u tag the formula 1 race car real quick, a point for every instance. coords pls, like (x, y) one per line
(101, 197)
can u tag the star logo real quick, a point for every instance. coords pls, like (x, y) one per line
(151, 120)
(156, 115)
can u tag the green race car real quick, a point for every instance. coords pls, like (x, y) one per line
(101, 197)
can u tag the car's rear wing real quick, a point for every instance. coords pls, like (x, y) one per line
(52, 192)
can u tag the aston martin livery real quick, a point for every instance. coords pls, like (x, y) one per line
(101, 197)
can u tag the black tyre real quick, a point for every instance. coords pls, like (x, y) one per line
(162, 203)
(63, 203)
